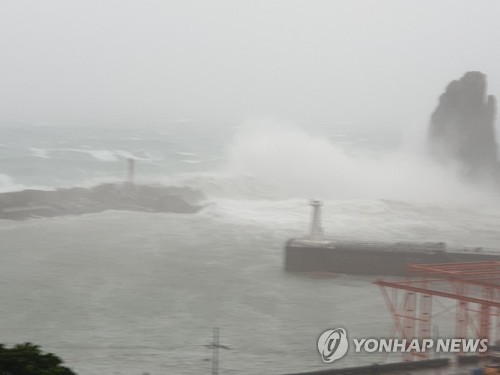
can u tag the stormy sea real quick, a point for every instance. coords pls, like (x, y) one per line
(123, 292)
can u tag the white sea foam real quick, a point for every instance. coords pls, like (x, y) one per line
(110, 155)
(40, 153)
(102, 155)
(185, 153)
(192, 161)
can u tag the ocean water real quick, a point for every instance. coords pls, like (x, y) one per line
(128, 293)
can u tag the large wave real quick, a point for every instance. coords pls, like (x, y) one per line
(297, 164)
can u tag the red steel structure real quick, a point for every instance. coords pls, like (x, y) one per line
(474, 286)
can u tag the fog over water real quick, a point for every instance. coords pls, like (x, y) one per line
(261, 105)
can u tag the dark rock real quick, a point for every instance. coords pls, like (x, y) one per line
(24, 204)
(462, 128)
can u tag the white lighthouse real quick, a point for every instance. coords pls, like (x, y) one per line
(316, 229)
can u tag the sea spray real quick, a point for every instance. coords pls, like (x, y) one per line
(297, 164)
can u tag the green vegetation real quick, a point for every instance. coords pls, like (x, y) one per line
(28, 359)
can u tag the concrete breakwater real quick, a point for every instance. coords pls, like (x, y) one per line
(19, 205)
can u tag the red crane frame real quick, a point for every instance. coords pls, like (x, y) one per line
(475, 286)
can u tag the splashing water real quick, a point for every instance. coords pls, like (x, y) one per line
(297, 164)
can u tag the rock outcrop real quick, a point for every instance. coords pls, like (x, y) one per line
(18, 205)
(462, 129)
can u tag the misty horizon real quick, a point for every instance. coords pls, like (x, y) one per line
(139, 63)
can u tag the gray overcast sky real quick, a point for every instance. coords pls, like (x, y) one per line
(103, 61)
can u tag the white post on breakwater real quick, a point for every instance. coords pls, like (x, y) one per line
(316, 229)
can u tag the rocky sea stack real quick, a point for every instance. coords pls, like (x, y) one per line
(462, 129)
